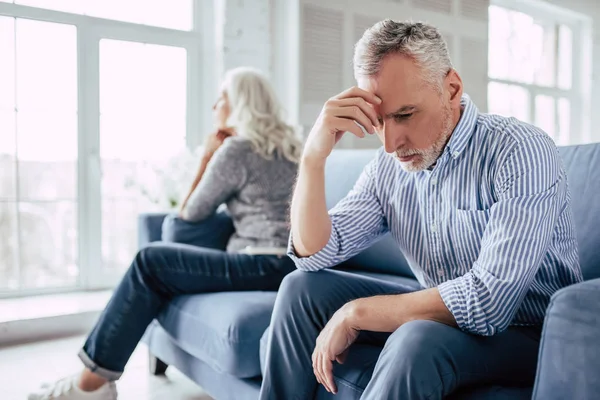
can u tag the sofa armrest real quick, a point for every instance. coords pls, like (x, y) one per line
(150, 228)
(569, 358)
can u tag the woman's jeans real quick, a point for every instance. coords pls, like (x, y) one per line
(158, 273)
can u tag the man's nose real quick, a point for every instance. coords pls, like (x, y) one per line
(392, 138)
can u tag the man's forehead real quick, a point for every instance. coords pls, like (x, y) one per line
(395, 95)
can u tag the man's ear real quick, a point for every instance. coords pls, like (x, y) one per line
(454, 86)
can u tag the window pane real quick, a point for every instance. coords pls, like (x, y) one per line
(7, 155)
(511, 34)
(520, 49)
(8, 245)
(508, 100)
(7, 65)
(149, 12)
(72, 6)
(565, 59)
(48, 236)
(119, 231)
(47, 144)
(178, 17)
(544, 56)
(545, 116)
(142, 120)
(53, 46)
(564, 121)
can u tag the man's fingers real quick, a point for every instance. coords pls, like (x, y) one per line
(323, 371)
(318, 370)
(328, 374)
(348, 125)
(365, 107)
(358, 92)
(356, 114)
(315, 362)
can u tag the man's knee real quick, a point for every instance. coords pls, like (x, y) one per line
(303, 291)
(415, 352)
(299, 283)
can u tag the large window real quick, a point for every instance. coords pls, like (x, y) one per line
(142, 119)
(534, 57)
(175, 14)
(85, 105)
(38, 154)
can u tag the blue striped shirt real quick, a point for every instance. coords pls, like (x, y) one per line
(490, 225)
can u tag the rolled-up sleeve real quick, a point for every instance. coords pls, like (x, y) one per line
(532, 189)
(357, 221)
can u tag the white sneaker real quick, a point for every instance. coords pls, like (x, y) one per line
(67, 389)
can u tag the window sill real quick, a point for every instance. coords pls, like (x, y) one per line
(42, 317)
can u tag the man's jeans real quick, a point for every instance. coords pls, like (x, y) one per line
(158, 273)
(420, 360)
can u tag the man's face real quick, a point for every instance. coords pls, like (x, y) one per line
(416, 119)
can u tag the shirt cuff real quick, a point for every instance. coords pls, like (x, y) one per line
(320, 260)
(452, 296)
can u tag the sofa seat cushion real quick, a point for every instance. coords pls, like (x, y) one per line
(221, 329)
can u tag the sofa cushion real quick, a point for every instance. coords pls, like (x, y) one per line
(582, 164)
(221, 329)
(213, 232)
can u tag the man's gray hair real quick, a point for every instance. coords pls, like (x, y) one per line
(419, 41)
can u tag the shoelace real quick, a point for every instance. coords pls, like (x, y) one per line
(61, 387)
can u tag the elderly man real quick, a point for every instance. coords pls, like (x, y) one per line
(478, 204)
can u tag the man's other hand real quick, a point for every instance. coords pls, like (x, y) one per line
(332, 344)
(341, 114)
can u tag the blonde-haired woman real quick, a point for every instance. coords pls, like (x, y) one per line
(249, 163)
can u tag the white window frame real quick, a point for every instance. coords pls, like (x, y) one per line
(201, 92)
(580, 93)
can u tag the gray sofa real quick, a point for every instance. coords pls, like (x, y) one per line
(218, 339)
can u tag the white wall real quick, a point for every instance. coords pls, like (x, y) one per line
(245, 34)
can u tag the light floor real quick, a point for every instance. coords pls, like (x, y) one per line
(24, 367)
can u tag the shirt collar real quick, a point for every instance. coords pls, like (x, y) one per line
(465, 127)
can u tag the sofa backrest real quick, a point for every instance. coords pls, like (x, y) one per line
(342, 170)
(582, 164)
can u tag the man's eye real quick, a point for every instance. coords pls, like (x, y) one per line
(402, 117)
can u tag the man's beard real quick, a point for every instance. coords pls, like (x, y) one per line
(426, 158)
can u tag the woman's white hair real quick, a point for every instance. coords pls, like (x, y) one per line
(422, 42)
(256, 114)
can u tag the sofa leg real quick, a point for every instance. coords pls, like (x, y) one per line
(157, 366)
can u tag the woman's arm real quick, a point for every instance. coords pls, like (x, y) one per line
(224, 176)
(203, 164)
(212, 144)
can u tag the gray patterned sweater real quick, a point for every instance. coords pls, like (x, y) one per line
(257, 192)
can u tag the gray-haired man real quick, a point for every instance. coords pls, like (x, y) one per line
(477, 203)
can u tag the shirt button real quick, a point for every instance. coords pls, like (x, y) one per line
(433, 228)
(455, 154)
(434, 181)
(441, 273)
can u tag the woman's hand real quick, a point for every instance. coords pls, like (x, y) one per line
(216, 139)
